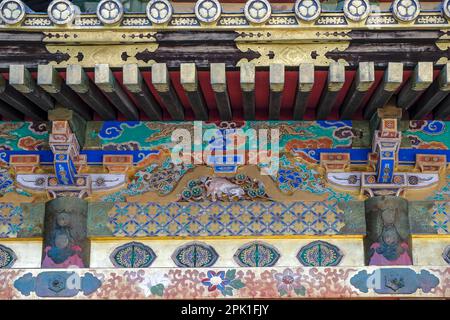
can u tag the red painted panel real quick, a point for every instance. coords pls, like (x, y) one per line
(289, 93)
(147, 76)
(234, 91)
(378, 77)
(208, 93)
(334, 115)
(175, 78)
(320, 79)
(262, 95)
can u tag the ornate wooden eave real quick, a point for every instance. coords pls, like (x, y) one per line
(419, 43)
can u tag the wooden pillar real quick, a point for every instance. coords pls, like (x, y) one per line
(106, 81)
(392, 79)
(189, 81)
(442, 109)
(219, 85)
(276, 82)
(132, 80)
(364, 79)
(305, 85)
(20, 78)
(417, 83)
(50, 80)
(335, 82)
(162, 84)
(78, 80)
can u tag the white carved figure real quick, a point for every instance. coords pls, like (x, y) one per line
(216, 187)
(257, 11)
(62, 11)
(307, 10)
(406, 10)
(356, 10)
(159, 11)
(208, 10)
(12, 11)
(110, 11)
(446, 8)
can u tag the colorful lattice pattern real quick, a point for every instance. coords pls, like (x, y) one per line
(440, 217)
(222, 219)
(11, 219)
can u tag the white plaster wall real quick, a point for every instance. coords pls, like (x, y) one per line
(428, 252)
(28, 252)
(226, 248)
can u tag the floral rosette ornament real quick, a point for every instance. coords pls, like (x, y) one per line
(224, 282)
(288, 282)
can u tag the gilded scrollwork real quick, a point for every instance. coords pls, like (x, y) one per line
(116, 55)
(292, 54)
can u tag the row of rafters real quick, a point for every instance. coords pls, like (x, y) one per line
(188, 93)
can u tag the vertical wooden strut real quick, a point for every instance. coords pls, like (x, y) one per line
(189, 81)
(219, 85)
(417, 83)
(78, 80)
(442, 109)
(162, 84)
(106, 81)
(20, 78)
(15, 99)
(305, 85)
(392, 79)
(364, 79)
(276, 81)
(50, 80)
(9, 112)
(247, 80)
(132, 80)
(335, 82)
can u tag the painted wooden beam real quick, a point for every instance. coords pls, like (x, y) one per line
(420, 80)
(388, 111)
(335, 82)
(16, 100)
(9, 112)
(20, 78)
(219, 85)
(392, 79)
(433, 96)
(247, 79)
(77, 79)
(189, 81)
(305, 85)
(49, 79)
(161, 82)
(364, 79)
(276, 84)
(106, 81)
(76, 122)
(442, 111)
(133, 81)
